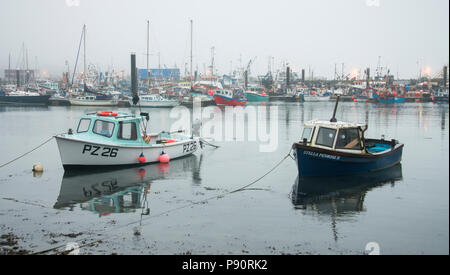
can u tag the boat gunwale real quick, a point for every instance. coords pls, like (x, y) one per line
(144, 146)
(230, 99)
(368, 155)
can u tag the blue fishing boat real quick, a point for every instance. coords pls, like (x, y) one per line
(332, 148)
(256, 97)
(388, 98)
(391, 100)
(256, 94)
(23, 98)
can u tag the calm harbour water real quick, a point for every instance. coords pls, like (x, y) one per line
(405, 210)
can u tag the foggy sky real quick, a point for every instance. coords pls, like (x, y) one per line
(315, 33)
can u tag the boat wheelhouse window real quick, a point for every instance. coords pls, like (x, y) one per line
(325, 137)
(103, 128)
(348, 139)
(83, 126)
(127, 131)
(307, 134)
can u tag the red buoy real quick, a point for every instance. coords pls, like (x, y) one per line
(164, 158)
(142, 158)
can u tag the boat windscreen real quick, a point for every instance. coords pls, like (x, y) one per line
(307, 134)
(103, 128)
(83, 126)
(348, 139)
(325, 137)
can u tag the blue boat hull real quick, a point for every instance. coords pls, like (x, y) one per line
(25, 100)
(391, 100)
(316, 162)
(440, 99)
(256, 97)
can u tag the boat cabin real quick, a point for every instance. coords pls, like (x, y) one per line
(111, 128)
(336, 136)
(227, 93)
(152, 98)
(343, 137)
(87, 98)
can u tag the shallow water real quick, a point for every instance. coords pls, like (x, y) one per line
(404, 210)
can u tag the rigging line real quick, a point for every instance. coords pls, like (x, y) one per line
(207, 143)
(21, 156)
(141, 219)
(76, 61)
(217, 196)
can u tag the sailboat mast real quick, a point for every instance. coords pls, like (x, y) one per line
(191, 50)
(84, 53)
(148, 47)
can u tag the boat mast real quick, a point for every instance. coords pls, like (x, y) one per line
(333, 119)
(148, 46)
(84, 52)
(191, 52)
(9, 68)
(78, 54)
(212, 65)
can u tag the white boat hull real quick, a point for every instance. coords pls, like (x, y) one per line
(78, 153)
(76, 102)
(316, 98)
(157, 104)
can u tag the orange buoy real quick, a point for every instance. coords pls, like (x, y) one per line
(164, 158)
(142, 158)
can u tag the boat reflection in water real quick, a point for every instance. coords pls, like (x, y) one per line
(119, 191)
(339, 196)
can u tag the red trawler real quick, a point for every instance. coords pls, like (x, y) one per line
(230, 98)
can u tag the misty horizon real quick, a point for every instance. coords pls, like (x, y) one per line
(409, 36)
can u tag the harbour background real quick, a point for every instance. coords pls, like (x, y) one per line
(406, 216)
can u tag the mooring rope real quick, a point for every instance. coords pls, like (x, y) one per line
(169, 211)
(207, 143)
(21, 156)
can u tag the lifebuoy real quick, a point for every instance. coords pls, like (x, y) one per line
(107, 113)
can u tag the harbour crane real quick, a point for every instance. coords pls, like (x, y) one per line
(247, 72)
(249, 64)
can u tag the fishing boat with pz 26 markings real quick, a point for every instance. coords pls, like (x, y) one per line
(112, 139)
(332, 148)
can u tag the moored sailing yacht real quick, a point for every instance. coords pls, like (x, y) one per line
(17, 97)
